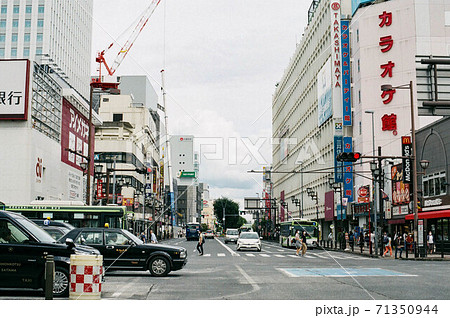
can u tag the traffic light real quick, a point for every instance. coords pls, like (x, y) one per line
(141, 170)
(348, 156)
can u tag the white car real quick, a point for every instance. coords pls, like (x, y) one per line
(232, 235)
(209, 234)
(249, 240)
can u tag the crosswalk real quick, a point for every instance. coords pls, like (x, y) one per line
(318, 256)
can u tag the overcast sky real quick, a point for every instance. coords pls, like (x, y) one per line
(222, 59)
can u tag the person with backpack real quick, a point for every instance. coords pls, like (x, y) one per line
(388, 246)
(399, 244)
(200, 243)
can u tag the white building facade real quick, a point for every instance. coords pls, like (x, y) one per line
(58, 33)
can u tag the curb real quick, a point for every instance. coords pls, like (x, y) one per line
(424, 259)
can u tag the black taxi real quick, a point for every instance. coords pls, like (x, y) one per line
(122, 250)
(24, 247)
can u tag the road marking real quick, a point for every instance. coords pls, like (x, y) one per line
(264, 255)
(207, 255)
(321, 256)
(340, 272)
(248, 278)
(252, 255)
(221, 254)
(278, 255)
(294, 256)
(124, 288)
(226, 247)
(280, 250)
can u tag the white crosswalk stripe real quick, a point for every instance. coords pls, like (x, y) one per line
(280, 250)
(278, 255)
(294, 256)
(264, 255)
(308, 256)
(206, 255)
(221, 254)
(251, 255)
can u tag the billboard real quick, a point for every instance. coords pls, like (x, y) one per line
(336, 69)
(400, 190)
(346, 78)
(348, 171)
(75, 136)
(325, 108)
(357, 3)
(329, 206)
(14, 88)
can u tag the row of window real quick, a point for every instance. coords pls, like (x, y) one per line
(16, 9)
(26, 52)
(15, 23)
(26, 37)
(434, 185)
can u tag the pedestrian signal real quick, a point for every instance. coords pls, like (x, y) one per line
(348, 156)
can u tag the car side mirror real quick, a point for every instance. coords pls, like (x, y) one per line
(70, 243)
(260, 237)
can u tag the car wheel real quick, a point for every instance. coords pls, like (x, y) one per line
(61, 283)
(159, 266)
(226, 242)
(259, 250)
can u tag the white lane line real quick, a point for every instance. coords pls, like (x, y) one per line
(221, 254)
(249, 279)
(321, 256)
(226, 247)
(278, 255)
(264, 255)
(124, 288)
(252, 255)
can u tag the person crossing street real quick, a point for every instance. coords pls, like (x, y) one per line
(200, 243)
(304, 247)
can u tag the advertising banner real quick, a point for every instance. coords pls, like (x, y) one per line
(14, 88)
(338, 171)
(406, 151)
(336, 69)
(282, 207)
(329, 206)
(348, 170)
(400, 190)
(346, 81)
(325, 107)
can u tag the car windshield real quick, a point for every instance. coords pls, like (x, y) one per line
(249, 235)
(133, 237)
(39, 233)
(209, 231)
(192, 227)
(232, 232)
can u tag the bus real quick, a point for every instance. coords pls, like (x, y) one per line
(245, 228)
(192, 231)
(77, 215)
(288, 229)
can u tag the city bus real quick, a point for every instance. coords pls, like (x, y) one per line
(288, 229)
(77, 215)
(192, 231)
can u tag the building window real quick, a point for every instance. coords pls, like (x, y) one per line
(28, 9)
(38, 51)
(357, 35)
(15, 23)
(2, 23)
(358, 66)
(16, 9)
(4, 9)
(105, 99)
(360, 128)
(28, 23)
(26, 37)
(2, 52)
(14, 37)
(117, 117)
(359, 96)
(40, 23)
(14, 52)
(434, 185)
(26, 52)
(41, 9)
(39, 37)
(2, 38)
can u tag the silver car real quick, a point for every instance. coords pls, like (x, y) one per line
(249, 240)
(232, 235)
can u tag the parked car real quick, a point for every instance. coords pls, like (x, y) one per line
(249, 240)
(232, 235)
(54, 228)
(122, 250)
(209, 234)
(24, 247)
(42, 223)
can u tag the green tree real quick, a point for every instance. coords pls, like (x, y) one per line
(231, 208)
(204, 227)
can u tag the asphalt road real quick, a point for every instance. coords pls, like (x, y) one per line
(276, 273)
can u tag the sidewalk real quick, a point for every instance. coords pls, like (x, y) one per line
(366, 253)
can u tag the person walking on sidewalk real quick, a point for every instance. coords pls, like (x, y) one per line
(298, 244)
(361, 241)
(388, 246)
(399, 244)
(153, 238)
(200, 243)
(351, 240)
(430, 242)
(304, 247)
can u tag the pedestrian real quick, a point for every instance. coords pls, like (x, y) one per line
(200, 243)
(351, 240)
(409, 243)
(153, 238)
(304, 247)
(430, 242)
(298, 244)
(388, 246)
(143, 237)
(361, 241)
(399, 244)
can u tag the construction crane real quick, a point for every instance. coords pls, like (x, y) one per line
(100, 59)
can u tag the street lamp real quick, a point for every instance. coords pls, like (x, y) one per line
(297, 203)
(388, 87)
(313, 195)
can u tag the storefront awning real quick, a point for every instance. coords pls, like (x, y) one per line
(430, 215)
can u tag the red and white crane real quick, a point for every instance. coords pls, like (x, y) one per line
(100, 59)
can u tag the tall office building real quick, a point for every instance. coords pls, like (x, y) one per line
(58, 33)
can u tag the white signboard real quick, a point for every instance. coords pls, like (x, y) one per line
(14, 80)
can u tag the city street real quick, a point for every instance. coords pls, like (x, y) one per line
(276, 273)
